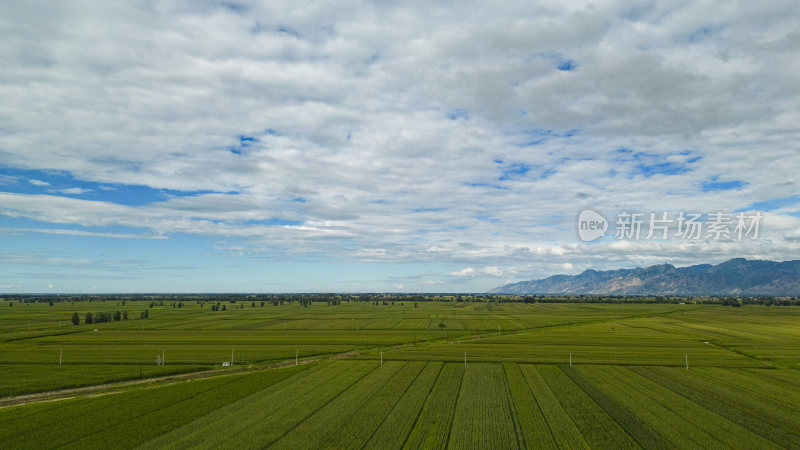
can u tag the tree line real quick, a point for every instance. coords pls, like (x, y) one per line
(103, 317)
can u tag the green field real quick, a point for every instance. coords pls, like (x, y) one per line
(627, 385)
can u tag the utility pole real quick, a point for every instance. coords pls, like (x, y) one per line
(381, 358)
(162, 356)
(296, 355)
(687, 361)
(60, 354)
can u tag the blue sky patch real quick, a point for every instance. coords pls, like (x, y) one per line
(715, 185)
(458, 113)
(515, 171)
(567, 66)
(650, 164)
(33, 182)
(772, 205)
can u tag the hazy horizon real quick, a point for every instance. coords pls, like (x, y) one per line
(246, 147)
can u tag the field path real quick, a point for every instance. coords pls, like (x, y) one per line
(115, 387)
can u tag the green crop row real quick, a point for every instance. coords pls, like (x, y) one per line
(483, 418)
(397, 425)
(268, 414)
(564, 431)
(356, 431)
(536, 432)
(597, 427)
(432, 427)
(128, 418)
(644, 435)
(314, 431)
(753, 412)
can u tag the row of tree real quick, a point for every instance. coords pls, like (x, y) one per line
(102, 317)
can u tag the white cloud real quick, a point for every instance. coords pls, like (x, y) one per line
(85, 233)
(8, 179)
(398, 286)
(73, 191)
(493, 271)
(467, 272)
(385, 132)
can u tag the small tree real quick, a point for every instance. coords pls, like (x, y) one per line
(89, 319)
(124, 314)
(441, 325)
(76, 319)
(117, 316)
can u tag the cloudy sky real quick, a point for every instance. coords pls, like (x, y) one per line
(386, 146)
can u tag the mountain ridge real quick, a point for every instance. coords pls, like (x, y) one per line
(737, 276)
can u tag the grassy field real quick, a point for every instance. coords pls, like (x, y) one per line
(404, 382)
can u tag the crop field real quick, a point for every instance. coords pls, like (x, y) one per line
(360, 375)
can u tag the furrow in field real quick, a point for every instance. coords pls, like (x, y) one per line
(433, 424)
(644, 435)
(597, 427)
(396, 426)
(357, 431)
(316, 429)
(482, 418)
(749, 411)
(565, 433)
(536, 432)
(694, 420)
(287, 402)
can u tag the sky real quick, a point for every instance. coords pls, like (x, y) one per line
(313, 146)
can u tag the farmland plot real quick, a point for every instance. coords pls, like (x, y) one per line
(397, 425)
(628, 386)
(262, 418)
(432, 427)
(483, 417)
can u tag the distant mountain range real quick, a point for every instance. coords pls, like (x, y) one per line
(736, 276)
